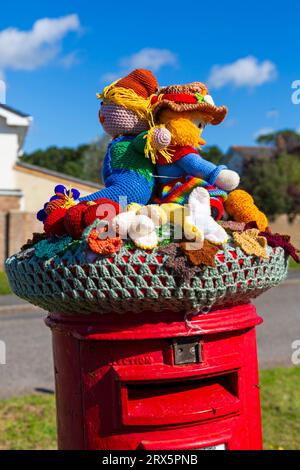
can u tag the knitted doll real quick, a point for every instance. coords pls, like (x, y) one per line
(125, 114)
(185, 110)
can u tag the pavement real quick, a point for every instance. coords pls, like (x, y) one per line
(29, 365)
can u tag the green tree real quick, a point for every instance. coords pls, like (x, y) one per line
(84, 161)
(212, 153)
(93, 159)
(264, 181)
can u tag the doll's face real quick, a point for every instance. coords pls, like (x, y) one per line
(200, 120)
(117, 120)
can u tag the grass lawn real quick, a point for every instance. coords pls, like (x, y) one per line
(4, 286)
(29, 422)
(293, 264)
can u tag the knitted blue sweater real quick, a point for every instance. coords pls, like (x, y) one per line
(127, 174)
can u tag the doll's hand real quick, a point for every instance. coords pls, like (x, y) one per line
(228, 180)
(161, 138)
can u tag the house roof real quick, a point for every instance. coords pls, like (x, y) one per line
(255, 151)
(14, 118)
(13, 110)
(55, 176)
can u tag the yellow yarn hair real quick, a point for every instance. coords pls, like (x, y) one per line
(129, 99)
(184, 132)
(150, 151)
(142, 107)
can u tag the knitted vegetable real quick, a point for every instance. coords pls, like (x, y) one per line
(102, 209)
(139, 228)
(74, 220)
(54, 223)
(200, 216)
(155, 212)
(185, 110)
(125, 114)
(240, 206)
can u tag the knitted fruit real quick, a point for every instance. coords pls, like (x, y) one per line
(74, 220)
(54, 224)
(103, 209)
(240, 206)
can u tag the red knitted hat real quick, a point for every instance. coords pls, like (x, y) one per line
(142, 81)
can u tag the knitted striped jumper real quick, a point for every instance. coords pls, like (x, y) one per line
(126, 172)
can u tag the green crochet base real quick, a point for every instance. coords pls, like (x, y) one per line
(135, 281)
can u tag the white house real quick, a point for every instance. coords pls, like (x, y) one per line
(24, 188)
(14, 126)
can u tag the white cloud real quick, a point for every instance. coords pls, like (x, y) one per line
(28, 50)
(69, 60)
(2, 91)
(263, 131)
(147, 58)
(245, 72)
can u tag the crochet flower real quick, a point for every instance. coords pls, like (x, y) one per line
(275, 239)
(63, 197)
(103, 247)
(251, 242)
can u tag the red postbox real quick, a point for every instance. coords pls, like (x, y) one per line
(155, 381)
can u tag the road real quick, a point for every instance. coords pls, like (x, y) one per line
(28, 341)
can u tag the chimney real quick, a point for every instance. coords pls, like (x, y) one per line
(2, 92)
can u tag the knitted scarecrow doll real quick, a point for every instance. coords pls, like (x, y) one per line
(185, 110)
(125, 114)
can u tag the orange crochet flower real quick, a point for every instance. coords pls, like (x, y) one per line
(103, 247)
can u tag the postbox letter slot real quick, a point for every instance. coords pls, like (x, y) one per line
(166, 403)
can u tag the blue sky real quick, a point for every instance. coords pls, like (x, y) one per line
(247, 51)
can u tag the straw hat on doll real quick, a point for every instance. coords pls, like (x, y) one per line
(191, 97)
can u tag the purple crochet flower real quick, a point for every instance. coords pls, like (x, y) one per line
(60, 192)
